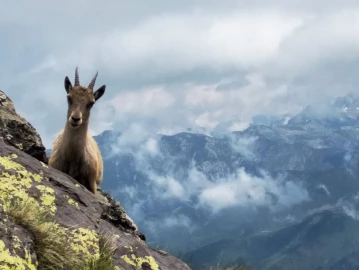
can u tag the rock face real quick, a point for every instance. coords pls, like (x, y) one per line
(75, 212)
(18, 132)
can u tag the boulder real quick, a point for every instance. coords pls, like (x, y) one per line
(18, 132)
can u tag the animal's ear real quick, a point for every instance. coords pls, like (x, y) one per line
(99, 92)
(68, 84)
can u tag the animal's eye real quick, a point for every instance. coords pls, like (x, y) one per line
(69, 100)
(90, 104)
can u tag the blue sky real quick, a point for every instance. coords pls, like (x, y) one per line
(171, 65)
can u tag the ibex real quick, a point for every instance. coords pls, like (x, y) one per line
(74, 151)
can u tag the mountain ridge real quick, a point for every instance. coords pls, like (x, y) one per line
(296, 165)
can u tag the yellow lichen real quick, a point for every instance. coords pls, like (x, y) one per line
(129, 247)
(71, 201)
(36, 177)
(139, 261)
(15, 181)
(85, 241)
(11, 262)
(47, 197)
(13, 187)
(8, 163)
(43, 164)
(19, 145)
(17, 242)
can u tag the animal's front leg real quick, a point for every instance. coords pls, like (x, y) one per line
(93, 186)
(90, 183)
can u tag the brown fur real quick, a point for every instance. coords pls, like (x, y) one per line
(75, 152)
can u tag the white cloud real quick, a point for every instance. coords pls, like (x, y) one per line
(314, 45)
(142, 102)
(243, 189)
(203, 96)
(169, 222)
(132, 136)
(203, 120)
(243, 145)
(325, 188)
(168, 187)
(350, 210)
(180, 220)
(165, 64)
(151, 147)
(179, 42)
(239, 189)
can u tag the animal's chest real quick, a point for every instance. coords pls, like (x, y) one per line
(78, 168)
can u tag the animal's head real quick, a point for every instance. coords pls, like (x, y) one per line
(81, 99)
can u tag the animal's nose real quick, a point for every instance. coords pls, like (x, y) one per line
(75, 119)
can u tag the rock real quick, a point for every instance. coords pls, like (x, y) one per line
(18, 132)
(58, 203)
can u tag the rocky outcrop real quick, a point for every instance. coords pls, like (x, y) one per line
(28, 188)
(18, 132)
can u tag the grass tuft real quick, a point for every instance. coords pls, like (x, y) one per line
(51, 242)
(104, 261)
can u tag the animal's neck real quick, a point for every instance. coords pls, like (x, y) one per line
(76, 138)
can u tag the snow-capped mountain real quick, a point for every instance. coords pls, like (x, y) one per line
(214, 194)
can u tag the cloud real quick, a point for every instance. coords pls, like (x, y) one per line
(243, 145)
(168, 223)
(325, 188)
(168, 188)
(243, 189)
(172, 66)
(144, 101)
(180, 220)
(196, 187)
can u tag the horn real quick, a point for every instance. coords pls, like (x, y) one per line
(77, 80)
(92, 83)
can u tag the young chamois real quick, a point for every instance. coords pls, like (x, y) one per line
(74, 151)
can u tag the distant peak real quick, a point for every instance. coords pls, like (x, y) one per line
(350, 101)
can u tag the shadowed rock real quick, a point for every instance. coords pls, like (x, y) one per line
(18, 132)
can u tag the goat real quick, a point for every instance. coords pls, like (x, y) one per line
(75, 152)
